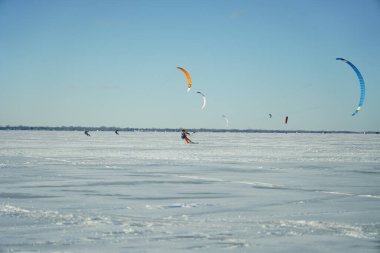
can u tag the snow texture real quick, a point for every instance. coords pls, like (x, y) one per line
(152, 192)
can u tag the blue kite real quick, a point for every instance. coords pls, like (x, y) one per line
(362, 85)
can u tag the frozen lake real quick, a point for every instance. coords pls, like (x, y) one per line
(151, 192)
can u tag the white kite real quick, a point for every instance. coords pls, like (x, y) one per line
(204, 99)
(225, 117)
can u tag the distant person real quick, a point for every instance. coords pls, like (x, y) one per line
(116, 132)
(184, 136)
(86, 133)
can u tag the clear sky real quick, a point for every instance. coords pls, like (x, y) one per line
(113, 63)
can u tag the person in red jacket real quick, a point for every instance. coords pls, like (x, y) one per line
(184, 135)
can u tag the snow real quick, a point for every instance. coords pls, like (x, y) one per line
(152, 192)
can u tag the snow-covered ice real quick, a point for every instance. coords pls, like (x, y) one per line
(151, 192)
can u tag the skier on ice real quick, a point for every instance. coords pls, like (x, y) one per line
(184, 136)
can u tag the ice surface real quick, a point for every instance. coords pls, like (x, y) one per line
(151, 192)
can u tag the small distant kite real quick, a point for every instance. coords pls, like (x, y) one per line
(362, 85)
(286, 119)
(270, 115)
(225, 117)
(189, 82)
(204, 99)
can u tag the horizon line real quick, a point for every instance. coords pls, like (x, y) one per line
(166, 129)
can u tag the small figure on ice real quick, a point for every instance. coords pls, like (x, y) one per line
(86, 133)
(184, 136)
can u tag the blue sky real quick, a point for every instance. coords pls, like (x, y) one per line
(113, 63)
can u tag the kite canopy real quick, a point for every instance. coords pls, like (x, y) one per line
(189, 82)
(204, 99)
(286, 119)
(225, 117)
(362, 85)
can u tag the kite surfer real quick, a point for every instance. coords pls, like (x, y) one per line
(86, 133)
(184, 136)
(116, 132)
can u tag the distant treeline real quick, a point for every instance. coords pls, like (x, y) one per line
(129, 129)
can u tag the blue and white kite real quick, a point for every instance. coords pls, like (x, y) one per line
(362, 85)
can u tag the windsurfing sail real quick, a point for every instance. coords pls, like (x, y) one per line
(204, 99)
(286, 119)
(189, 82)
(225, 117)
(362, 85)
